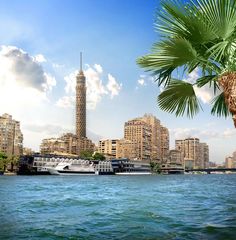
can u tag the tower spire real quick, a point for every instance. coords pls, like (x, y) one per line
(81, 70)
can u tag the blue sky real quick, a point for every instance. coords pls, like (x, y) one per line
(111, 34)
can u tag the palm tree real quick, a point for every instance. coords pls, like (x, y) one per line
(201, 35)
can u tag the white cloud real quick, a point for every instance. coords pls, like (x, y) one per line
(56, 65)
(66, 102)
(23, 82)
(20, 68)
(70, 82)
(193, 76)
(96, 89)
(98, 68)
(48, 129)
(24, 88)
(182, 133)
(113, 86)
(141, 82)
(144, 80)
(50, 82)
(205, 93)
(40, 58)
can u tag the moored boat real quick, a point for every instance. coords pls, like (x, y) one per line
(65, 168)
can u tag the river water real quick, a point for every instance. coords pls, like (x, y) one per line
(118, 207)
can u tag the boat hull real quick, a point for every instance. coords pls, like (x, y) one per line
(70, 172)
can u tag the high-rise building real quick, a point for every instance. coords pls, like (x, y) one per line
(73, 143)
(159, 138)
(80, 103)
(174, 157)
(155, 125)
(126, 149)
(179, 145)
(83, 143)
(229, 162)
(194, 154)
(140, 133)
(108, 147)
(148, 137)
(203, 155)
(11, 137)
(165, 143)
(234, 156)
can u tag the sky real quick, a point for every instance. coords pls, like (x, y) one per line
(40, 42)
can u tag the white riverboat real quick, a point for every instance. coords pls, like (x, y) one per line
(70, 168)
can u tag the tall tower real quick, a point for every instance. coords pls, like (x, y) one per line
(80, 103)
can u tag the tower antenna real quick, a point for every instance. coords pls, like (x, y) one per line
(81, 61)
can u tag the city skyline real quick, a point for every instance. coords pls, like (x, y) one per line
(38, 75)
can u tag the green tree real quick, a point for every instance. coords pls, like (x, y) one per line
(86, 154)
(155, 167)
(13, 161)
(195, 35)
(98, 156)
(3, 161)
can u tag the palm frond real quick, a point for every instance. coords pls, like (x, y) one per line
(220, 108)
(219, 50)
(179, 97)
(170, 20)
(221, 15)
(211, 80)
(168, 55)
(163, 77)
(175, 19)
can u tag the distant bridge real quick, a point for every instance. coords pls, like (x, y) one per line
(209, 170)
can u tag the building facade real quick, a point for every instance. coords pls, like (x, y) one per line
(139, 132)
(234, 156)
(155, 126)
(68, 143)
(145, 139)
(53, 146)
(193, 153)
(165, 143)
(108, 147)
(229, 162)
(11, 137)
(174, 157)
(203, 155)
(126, 149)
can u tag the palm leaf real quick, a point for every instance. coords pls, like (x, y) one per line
(168, 55)
(171, 20)
(211, 80)
(221, 15)
(179, 97)
(183, 21)
(219, 108)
